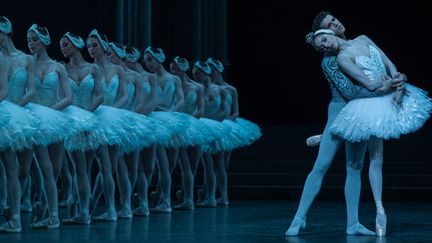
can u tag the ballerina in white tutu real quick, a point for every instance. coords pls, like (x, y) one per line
(244, 132)
(87, 94)
(145, 133)
(373, 119)
(16, 140)
(390, 116)
(146, 101)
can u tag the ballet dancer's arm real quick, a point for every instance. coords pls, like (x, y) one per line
(235, 104)
(97, 90)
(3, 78)
(65, 89)
(30, 85)
(200, 102)
(179, 96)
(342, 83)
(139, 93)
(122, 88)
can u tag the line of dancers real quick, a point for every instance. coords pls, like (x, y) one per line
(57, 119)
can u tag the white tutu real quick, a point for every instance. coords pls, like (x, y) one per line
(113, 128)
(142, 129)
(82, 120)
(252, 130)
(222, 139)
(18, 133)
(4, 115)
(54, 125)
(381, 117)
(196, 133)
(171, 124)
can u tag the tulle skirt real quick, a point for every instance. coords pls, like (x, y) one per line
(55, 126)
(170, 126)
(381, 117)
(223, 139)
(197, 133)
(17, 134)
(4, 115)
(252, 130)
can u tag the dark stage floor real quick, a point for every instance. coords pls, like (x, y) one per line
(244, 221)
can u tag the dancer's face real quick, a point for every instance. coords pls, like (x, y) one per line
(330, 22)
(151, 62)
(199, 75)
(111, 54)
(129, 64)
(94, 48)
(33, 43)
(3, 36)
(66, 47)
(326, 42)
(174, 68)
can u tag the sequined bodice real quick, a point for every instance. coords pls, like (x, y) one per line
(17, 84)
(212, 107)
(110, 91)
(165, 96)
(82, 93)
(190, 104)
(47, 89)
(373, 65)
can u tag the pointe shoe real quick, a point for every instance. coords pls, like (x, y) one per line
(124, 214)
(207, 203)
(184, 206)
(295, 227)
(105, 218)
(359, 229)
(141, 212)
(381, 224)
(49, 223)
(161, 209)
(80, 220)
(313, 140)
(222, 201)
(10, 227)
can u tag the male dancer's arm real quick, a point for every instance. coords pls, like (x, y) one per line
(343, 84)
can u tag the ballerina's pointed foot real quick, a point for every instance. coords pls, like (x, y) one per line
(124, 214)
(49, 223)
(105, 217)
(141, 211)
(381, 224)
(11, 226)
(161, 208)
(187, 206)
(359, 229)
(295, 227)
(79, 219)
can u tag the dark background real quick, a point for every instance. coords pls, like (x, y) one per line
(277, 74)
